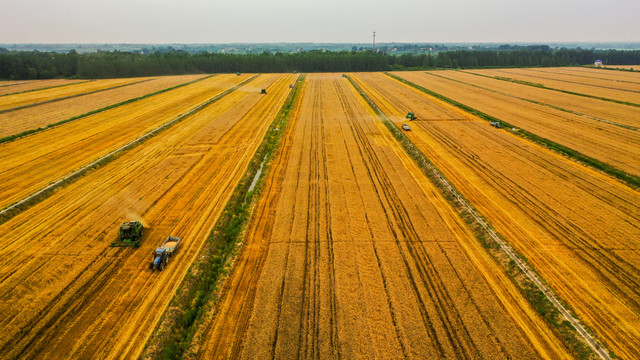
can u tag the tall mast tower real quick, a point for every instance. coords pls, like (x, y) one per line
(374, 42)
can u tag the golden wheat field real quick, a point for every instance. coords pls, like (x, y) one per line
(349, 249)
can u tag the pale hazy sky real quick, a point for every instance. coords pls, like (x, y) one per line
(201, 21)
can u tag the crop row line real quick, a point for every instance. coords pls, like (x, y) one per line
(12, 210)
(92, 112)
(631, 180)
(195, 293)
(466, 210)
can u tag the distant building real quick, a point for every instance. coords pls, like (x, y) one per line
(597, 63)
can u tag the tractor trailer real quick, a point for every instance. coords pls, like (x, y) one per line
(162, 254)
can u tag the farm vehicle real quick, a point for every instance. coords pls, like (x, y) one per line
(411, 116)
(130, 234)
(162, 254)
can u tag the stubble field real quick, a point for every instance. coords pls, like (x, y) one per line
(351, 251)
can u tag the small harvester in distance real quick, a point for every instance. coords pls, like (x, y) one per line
(290, 86)
(162, 254)
(238, 74)
(263, 91)
(411, 116)
(495, 124)
(406, 127)
(130, 234)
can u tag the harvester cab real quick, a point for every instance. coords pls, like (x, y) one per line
(130, 234)
(411, 116)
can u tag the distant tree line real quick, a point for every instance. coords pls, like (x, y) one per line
(18, 65)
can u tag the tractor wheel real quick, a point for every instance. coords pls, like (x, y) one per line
(161, 266)
(151, 266)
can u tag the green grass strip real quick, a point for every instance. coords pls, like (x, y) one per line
(631, 180)
(531, 285)
(198, 288)
(522, 82)
(44, 88)
(49, 126)
(15, 208)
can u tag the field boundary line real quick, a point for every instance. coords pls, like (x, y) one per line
(534, 101)
(15, 208)
(587, 76)
(521, 82)
(96, 111)
(434, 174)
(71, 96)
(183, 316)
(630, 180)
(38, 89)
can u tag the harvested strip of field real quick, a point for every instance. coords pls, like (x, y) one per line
(66, 293)
(353, 253)
(550, 82)
(610, 144)
(580, 80)
(15, 122)
(578, 228)
(17, 101)
(31, 163)
(596, 109)
(31, 85)
(610, 77)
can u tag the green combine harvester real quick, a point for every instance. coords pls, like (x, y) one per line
(411, 116)
(130, 234)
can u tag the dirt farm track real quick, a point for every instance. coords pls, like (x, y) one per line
(351, 250)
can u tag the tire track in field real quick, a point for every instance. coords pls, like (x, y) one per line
(462, 343)
(376, 250)
(621, 275)
(454, 143)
